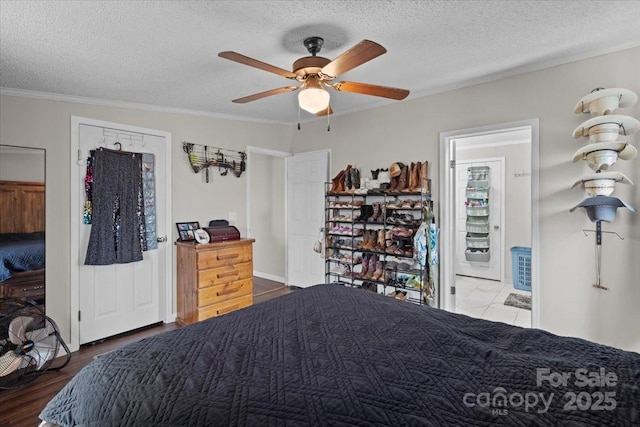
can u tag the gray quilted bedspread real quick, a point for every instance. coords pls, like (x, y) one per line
(331, 355)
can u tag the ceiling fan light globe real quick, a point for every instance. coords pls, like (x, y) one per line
(313, 99)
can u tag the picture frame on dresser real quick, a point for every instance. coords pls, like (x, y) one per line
(187, 231)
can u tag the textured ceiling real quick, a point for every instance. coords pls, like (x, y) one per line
(164, 53)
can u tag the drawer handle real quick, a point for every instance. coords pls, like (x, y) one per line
(230, 256)
(228, 291)
(35, 288)
(229, 274)
(227, 309)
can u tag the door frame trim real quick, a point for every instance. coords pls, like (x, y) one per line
(447, 217)
(503, 162)
(166, 294)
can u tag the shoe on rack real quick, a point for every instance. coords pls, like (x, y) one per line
(424, 170)
(366, 211)
(410, 178)
(417, 181)
(402, 179)
(379, 271)
(375, 212)
(373, 260)
(365, 266)
(355, 178)
(401, 295)
(337, 183)
(381, 244)
(347, 178)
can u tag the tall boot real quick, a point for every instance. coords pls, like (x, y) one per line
(378, 272)
(365, 266)
(414, 178)
(371, 240)
(371, 269)
(381, 239)
(410, 178)
(347, 178)
(365, 212)
(355, 178)
(418, 181)
(375, 213)
(337, 183)
(424, 175)
(402, 179)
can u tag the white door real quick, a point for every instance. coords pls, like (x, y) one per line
(306, 176)
(492, 268)
(121, 297)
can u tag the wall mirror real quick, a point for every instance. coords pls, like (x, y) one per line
(22, 223)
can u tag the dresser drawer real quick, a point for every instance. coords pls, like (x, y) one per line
(226, 274)
(224, 307)
(224, 256)
(217, 294)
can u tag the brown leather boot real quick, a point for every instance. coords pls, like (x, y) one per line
(393, 184)
(380, 243)
(424, 175)
(371, 240)
(378, 272)
(412, 178)
(416, 177)
(365, 266)
(337, 183)
(402, 179)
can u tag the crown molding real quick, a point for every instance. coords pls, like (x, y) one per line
(50, 96)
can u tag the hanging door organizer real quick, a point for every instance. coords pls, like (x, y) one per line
(477, 210)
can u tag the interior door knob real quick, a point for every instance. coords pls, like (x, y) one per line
(496, 227)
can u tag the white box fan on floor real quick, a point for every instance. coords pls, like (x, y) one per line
(29, 343)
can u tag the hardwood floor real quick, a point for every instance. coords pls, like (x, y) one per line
(21, 407)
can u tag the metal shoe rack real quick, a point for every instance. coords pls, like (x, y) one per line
(370, 242)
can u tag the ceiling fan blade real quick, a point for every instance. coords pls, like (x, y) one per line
(236, 57)
(364, 51)
(264, 94)
(325, 112)
(374, 90)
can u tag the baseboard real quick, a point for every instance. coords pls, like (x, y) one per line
(269, 277)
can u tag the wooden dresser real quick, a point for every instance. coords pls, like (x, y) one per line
(213, 279)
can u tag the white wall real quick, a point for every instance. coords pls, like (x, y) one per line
(20, 164)
(46, 124)
(409, 130)
(268, 215)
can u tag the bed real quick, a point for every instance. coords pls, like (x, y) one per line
(21, 252)
(332, 355)
(22, 239)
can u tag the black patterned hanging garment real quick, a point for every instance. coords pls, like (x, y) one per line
(117, 209)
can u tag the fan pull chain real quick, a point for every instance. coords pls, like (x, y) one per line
(298, 116)
(328, 123)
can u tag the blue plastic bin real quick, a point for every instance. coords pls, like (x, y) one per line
(521, 266)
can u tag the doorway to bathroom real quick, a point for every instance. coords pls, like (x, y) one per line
(489, 209)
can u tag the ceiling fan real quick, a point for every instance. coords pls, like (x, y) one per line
(315, 73)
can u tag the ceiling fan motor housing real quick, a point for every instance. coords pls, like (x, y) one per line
(309, 65)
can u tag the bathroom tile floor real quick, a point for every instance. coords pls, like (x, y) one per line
(485, 299)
